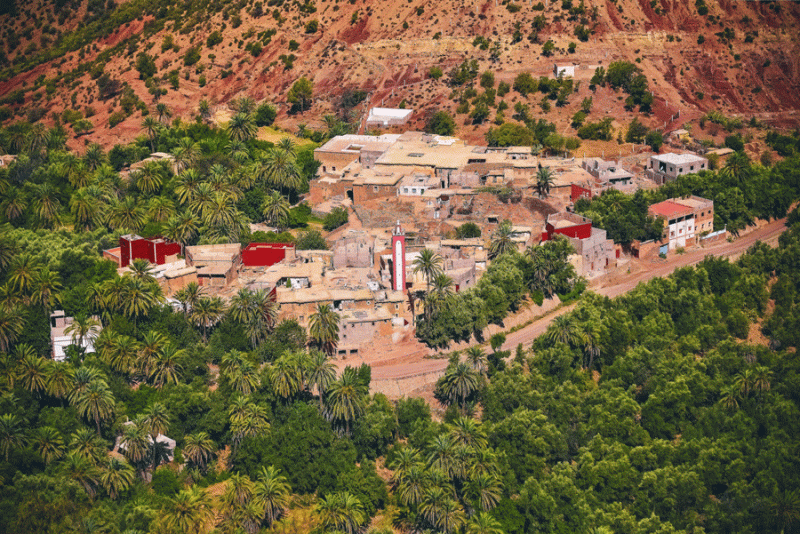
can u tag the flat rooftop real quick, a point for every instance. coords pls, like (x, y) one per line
(353, 144)
(678, 159)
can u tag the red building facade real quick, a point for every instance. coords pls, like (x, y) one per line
(155, 250)
(567, 224)
(265, 254)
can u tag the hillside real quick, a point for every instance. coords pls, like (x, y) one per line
(737, 57)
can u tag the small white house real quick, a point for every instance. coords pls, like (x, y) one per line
(563, 70)
(61, 339)
(384, 117)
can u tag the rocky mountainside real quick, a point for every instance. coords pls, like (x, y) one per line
(108, 62)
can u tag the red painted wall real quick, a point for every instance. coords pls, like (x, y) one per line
(153, 250)
(577, 192)
(580, 231)
(264, 254)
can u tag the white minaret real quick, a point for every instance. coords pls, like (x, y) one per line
(399, 258)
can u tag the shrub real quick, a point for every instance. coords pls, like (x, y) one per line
(335, 219)
(116, 118)
(265, 115)
(440, 123)
(312, 26)
(146, 66)
(435, 73)
(192, 56)
(214, 39)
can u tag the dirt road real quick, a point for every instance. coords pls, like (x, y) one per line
(417, 366)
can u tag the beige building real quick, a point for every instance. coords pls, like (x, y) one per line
(217, 265)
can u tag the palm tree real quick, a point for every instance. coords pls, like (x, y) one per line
(483, 523)
(477, 359)
(761, 379)
(198, 449)
(14, 204)
(276, 210)
(785, 506)
(256, 311)
(127, 214)
(340, 511)
(167, 365)
(324, 329)
(737, 167)
(429, 264)
(83, 376)
(730, 397)
(138, 298)
(285, 375)
(149, 177)
(96, 402)
(459, 382)
(189, 511)
(431, 504)
(247, 420)
(46, 289)
(443, 286)
(11, 323)
(544, 180)
(180, 228)
(87, 445)
(85, 208)
(121, 353)
(94, 156)
(117, 477)
(242, 127)
(188, 296)
(83, 328)
(12, 435)
(486, 491)
(186, 184)
(321, 373)
(347, 397)
(141, 269)
(60, 378)
(22, 273)
(152, 127)
(278, 168)
(204, 109)
(206, 312)
(45, 203)
(744, 381)
(451, 517)
(272, 493)
(412, 486)
(32, 370)
(466, 431)
(161, 209)
(48, 443)
(163, 113)
(82, 471)
(244, 378)
(564, 329)
(501, 240)
(135, 443)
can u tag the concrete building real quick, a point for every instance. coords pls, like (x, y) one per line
(563, 70)
(416, 184)
(664, 168)
(594, 252)
(217, 265)
(342, 150)
(385, 117)
(60, 339)
(684, 220)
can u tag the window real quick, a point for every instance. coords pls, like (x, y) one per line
(415, 155)
(333, 168)
(691, 167)
(680, 169)
(405, 190)
(375, 188)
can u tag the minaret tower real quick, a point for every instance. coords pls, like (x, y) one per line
(399, 258)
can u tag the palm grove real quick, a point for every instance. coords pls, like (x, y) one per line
(653, 412)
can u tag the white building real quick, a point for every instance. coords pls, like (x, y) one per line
(664, 168)
(385, 117)
(563, 70)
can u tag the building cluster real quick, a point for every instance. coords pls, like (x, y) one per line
(368, 275)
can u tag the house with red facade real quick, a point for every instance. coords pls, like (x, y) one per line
(594, 252)
(266, 254)
(156, 250)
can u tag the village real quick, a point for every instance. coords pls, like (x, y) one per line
(409, 192)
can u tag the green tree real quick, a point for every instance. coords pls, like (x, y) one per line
(544, 180)
(301, 93)
(324, 329)
(501, 240)
(242, 127)
(198, 449)
(458, 383)
(12, 435)
(96, 402)
(429, 263)
(440, 123)
(116, 477)
(346, 397)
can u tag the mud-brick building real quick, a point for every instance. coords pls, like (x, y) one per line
(594, 252)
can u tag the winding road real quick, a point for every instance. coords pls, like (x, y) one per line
(402, 375)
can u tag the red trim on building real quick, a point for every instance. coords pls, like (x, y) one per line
(264, 254)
